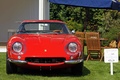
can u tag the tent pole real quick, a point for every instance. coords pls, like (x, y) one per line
(86, 19)
(44, 9)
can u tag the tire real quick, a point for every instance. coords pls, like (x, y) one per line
(10, 68)
(77, 69)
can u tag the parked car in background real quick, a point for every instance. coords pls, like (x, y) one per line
(44, 44)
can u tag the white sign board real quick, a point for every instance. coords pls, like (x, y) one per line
(111, 55)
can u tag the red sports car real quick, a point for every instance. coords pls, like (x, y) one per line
(44, 44)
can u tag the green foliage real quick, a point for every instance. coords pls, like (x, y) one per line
(74, 26)
(66, 13)
(79, 16)
(96, 19)
(71, 15)
(111, 35)
(112, 25)
(105, 21)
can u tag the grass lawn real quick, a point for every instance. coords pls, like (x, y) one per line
(93, 70)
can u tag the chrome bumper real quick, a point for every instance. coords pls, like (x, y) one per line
(66, 62)
(74, 61)
(17, 61)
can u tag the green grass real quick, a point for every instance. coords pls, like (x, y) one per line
(93, 70)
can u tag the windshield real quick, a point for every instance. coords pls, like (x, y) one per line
(44, 28)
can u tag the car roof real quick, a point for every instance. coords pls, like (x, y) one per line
(27, 21)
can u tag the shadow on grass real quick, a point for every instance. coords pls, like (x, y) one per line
(53, 73)
(85, 71)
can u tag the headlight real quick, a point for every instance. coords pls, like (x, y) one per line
(17, 47)
(72, 47)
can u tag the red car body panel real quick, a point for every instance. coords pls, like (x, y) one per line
(43, 47)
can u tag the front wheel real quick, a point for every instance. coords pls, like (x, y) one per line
(10, 67)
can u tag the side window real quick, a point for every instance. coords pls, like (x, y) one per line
(55, 26)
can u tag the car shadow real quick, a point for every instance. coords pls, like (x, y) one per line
(52, 73)
(85, 71)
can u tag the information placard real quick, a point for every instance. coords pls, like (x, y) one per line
(111, 55)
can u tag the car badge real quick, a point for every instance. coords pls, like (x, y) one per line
(45, 50)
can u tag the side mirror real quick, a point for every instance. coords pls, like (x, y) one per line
(73, 31)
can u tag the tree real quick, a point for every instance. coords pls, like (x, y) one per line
(112, 25)
(78, 18)
(73, 16)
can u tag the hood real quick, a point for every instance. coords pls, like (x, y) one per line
(45, 45)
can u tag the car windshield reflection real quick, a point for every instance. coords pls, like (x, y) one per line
(44, 28)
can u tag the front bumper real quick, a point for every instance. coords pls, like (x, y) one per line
(17, 61)
(74, 61)
(66, 62)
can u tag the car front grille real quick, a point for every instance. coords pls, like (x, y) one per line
(45, 60)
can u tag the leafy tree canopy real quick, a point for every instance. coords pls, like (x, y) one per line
(105, 21)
